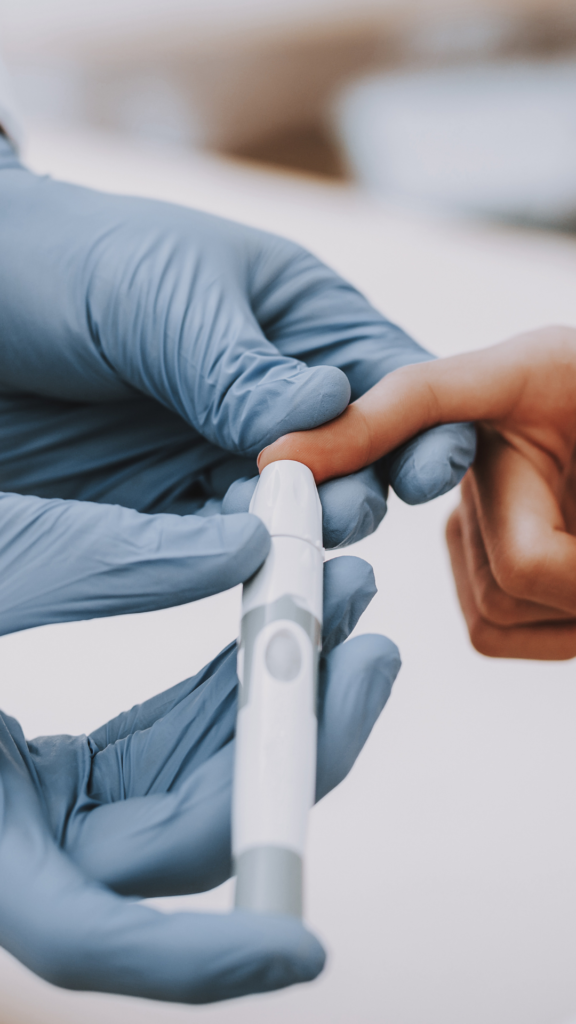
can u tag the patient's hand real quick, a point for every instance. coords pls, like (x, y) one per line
(512, 539)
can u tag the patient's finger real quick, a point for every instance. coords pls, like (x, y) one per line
(493, 603)
(531, 555)
(483, 385)
(545, 642)
(403, 404)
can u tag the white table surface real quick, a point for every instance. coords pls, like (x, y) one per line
(442, 873)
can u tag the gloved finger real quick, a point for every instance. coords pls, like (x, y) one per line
(167, 843)
(160, 773)
(78, 934)
(67, 560)
(308, 302)
(311, 313)
(212, 342)
(143, 804)
(433, 463)
(355, 683)
(152, 299)
(349, 586)
(187, 309)
(187, 699)
(200, 711)
(163, 843)
(81, 936)
(239, 495)
(133, 453)
(352, 506)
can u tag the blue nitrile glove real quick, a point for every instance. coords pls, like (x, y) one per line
(67, 560)
(148, 352)
(142, 808)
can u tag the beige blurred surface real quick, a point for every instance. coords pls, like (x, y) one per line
(255, 78)
(34, 26)
(441, 873)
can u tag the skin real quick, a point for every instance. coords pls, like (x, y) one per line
(512, 539)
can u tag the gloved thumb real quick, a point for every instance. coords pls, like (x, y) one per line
(67, 560)
(224, 377)
(267, 395)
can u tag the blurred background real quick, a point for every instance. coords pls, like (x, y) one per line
(486, 89)
(426, 149)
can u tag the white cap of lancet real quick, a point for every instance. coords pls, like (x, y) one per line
(287, 502)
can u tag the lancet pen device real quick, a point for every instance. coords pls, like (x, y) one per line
(279, 648)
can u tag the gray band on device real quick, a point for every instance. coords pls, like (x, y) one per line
(269, 881)
(254, 621)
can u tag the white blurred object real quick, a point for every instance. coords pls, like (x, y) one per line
(491, 140)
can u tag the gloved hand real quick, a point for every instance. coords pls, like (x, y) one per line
(142, 808)
(148, 352)
(67, 560)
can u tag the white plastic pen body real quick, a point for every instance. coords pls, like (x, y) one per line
(279, 648)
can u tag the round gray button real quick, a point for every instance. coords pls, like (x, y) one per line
(283, 657)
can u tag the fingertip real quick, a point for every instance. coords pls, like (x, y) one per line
(378, 651)
(239, 495)
(433, 463)
(349, 586)
(295, 404)
(358, 681)
(284, 447)
(251, 539)
(297, 446)
(347, 573)
(385, 650)
(283, 951)
(312, 957)
(353, 507)
(303, 955)
(323, 395)
(243, 542)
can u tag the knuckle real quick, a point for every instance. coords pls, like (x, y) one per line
(516, 567)
(484, 637)
(494, 606)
